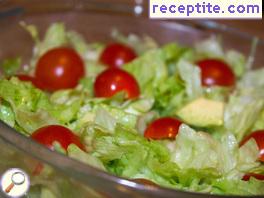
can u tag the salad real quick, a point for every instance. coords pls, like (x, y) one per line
(188, 118)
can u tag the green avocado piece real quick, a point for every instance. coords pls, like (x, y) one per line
(203, 112)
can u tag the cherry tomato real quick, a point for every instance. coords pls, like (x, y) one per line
(259, 138)
(257, 176)
(27, 78)
(116, 54)
(59, 68)
(145, 182)
(114, 80)
(216, 72)
(163, 128)
(47, 135)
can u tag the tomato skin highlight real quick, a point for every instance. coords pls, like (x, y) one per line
(116, 54)
(163, 128)
(47, 135)
(247, 176)
(59, 68)
(259, 138)
(114, 80)
(216, 72)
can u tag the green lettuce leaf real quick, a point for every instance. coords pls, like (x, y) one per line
(216, 93)
(194, 161)
(124, 152)
(76, 153)
(173, 52)
(238, 187)
(140, 44)
(237, 61)
(169, 96)
(252, 79)
(6, 113)
(241, 112)
(191, 75)
(149, 70)
(31, 121)
(55, 36)
(210, 47)
(22, 95)
(199, 151)
(33, 108)
(259, 124)
(108, 115)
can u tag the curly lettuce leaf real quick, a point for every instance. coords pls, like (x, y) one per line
(210, 47)
(75, 152)
(169, 96)
(149, 70)
(241, 113)
(6, 113)
(33, 109)
(124, 152)
(107, 112)
(191, 75)
(224, 158)
(259, 124)
(140, 44)
(22, 95)
(252, 79)
(194, 161)
(238, 187)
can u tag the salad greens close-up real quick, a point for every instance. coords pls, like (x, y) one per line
(183, 117)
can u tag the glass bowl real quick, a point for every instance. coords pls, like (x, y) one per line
(95, 20)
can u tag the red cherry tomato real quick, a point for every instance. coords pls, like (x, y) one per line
(163, 128)
(59, 68)
(47, 135)
(145, 182)
(259, 138)
(257, 176)
(114, 80)
(27, 78)
(216, 72)
(115, 55)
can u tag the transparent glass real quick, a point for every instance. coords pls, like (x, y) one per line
(94, 20)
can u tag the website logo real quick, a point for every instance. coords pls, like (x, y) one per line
(211, 9)
(14, 183)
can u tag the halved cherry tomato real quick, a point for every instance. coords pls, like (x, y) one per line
(59, 68)
(114, 80)
(47, 135)
(259, 138)
(116, 54)
(27, 78)
(257, 176)
(145, 182)
(163, 128)
(216, 72)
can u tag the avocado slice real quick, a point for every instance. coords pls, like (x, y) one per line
(203, 112)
